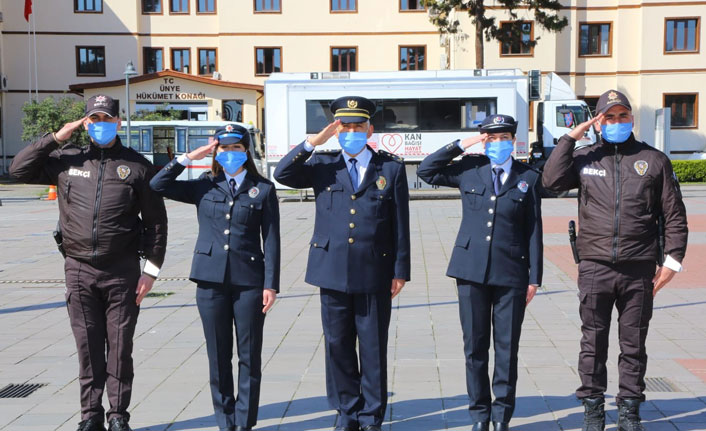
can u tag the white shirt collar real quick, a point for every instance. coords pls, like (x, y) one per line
(238, 178)
(363, 158)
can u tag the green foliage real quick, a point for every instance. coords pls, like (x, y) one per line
(546, 14)
(690, 171)
(50, 115)
(162, 113)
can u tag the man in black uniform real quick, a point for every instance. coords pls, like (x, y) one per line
(624, 187)
(103, 189)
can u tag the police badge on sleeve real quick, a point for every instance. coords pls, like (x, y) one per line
(523, 186)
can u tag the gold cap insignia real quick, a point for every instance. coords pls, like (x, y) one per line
(612, 96)
(352, 104)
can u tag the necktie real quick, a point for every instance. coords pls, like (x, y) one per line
(354, 174)
(233, 188)
(497, 183)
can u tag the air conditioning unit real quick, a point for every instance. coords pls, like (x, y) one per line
(3, 83)
(217, 75)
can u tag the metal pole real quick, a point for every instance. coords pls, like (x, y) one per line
(127, 108)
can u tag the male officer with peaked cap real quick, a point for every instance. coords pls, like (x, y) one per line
(102, 189)
(359, 255)
(496, 261)
(624, 187)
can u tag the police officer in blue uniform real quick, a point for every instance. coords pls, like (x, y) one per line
(237, 280)
(359, 255)
(496, 261)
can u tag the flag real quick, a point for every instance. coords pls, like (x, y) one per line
(28, 9)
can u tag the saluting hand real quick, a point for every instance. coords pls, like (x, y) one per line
(324, 135)
(468, 142)
(144, 285)
(664, 275)
(580, 130)
(204, 151)
(69, 128)
(268, 299)
(397, 285)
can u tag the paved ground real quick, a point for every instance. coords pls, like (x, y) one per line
(427, 389)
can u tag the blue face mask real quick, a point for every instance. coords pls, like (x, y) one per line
(353, 142)
(499, 151)
(102, 133)
(231, 160)
(616, 133)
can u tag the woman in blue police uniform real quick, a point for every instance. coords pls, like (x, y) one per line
(237, 280)
(496, 261)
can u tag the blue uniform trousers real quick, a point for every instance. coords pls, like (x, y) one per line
(356, 384)
(504, 307)
(221, 306)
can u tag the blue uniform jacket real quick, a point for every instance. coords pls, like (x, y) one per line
(361, 239)
(499, 242)
(230, 227)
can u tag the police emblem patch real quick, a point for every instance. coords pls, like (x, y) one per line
(523, 186)
(498, 120)
(229, 128)
(123, 172)
(352, 104)
(253, 192)
(641, 167)
(381, 182)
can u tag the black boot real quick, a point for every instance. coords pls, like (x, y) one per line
(629, 415)
(92, 424)
(594, 414)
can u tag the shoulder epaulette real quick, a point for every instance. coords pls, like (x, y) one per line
(328, 152)
(389, 155)
(528, 166)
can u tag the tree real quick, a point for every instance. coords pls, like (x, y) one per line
(162, 113)
(486, 28)
(50, 115)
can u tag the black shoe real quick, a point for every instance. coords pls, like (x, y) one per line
(91, 424)
(118, 424)
(347, 428)
(372, 428)
(594, 414)
(481, 426)
(629, 415)
(239, 428)
(501, 426)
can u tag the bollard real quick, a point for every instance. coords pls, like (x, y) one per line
(51, 196)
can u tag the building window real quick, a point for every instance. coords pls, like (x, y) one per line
(344, 59)
(681, 35)
(414, 5)
(205, 6)
(595, 39)
(268, 6)
(90, 60)
(522, 33)
(181, 60)
(179, 6)
(232, 110)
(207, 61)
(685, 109)
(94, 6)
(268, 60)
(343, 6)
(151, 6)
(153, 60)
(412, 57)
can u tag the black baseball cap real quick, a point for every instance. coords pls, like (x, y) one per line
(498, 123)
(102, 103)
(611, 98)
(352, 109)
(233, 134)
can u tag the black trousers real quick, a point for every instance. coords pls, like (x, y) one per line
(628, 287)
(103, 313)
(481, 306)
(357, 391)
(221, 307)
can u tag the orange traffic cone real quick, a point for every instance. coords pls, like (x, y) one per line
(51, 196)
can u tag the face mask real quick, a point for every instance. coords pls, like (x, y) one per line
(102, 133)
(616, 133)
(353, 142)
(231, 160)
(499, 151)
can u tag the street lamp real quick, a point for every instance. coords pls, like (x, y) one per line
(129, 71)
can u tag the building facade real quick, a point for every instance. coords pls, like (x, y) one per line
(649, 49)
